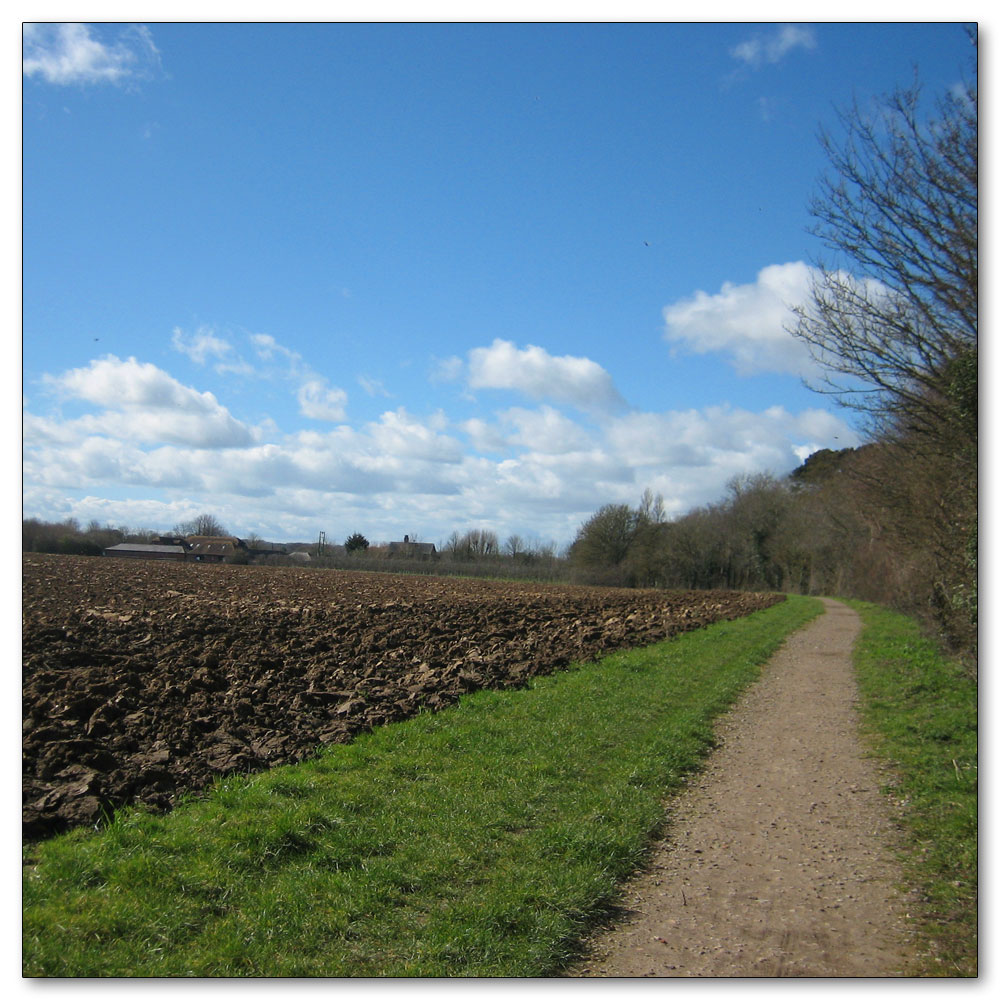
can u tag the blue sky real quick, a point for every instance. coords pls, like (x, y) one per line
(421, 278)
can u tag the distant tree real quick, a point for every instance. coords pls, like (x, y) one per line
(651, 509)
(514, 546)
(68, 538)
(544, 550)
(604, 539)
(693, 550)
(33, 531)
(203, 524)
(103, 537)
(755, 510)
(356, 543)
(818, 467)
(645, 554)
(475, 544)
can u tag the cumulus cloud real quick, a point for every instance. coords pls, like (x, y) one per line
(545, 430)
(319, 401)
(535, 373)
(403, 473)
(399, 435)
(484, 436)
(749, 323)
(148, 443)
(66, 54)
(143, 402)
(771, 48)
(720, 437)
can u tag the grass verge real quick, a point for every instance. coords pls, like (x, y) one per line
(920, 711)
(484, 840)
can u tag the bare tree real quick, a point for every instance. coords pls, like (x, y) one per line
(651, 509)
(514, 546)
(203, 524)
(897, 305)
(477, 543)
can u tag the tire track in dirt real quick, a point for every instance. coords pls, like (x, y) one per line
(777, 859)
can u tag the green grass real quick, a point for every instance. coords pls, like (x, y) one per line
(484, 840)
(920, 711)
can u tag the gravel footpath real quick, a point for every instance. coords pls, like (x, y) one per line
(777, 860)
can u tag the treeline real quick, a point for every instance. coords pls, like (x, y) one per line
(476, 552)
(861, 523)
(68, 538)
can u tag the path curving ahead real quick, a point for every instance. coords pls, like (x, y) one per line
(777, 858)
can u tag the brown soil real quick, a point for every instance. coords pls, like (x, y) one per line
(143, 680)
(776, 862)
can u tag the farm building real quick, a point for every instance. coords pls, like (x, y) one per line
(194, 548)
(129, 550)
(412, 550)
(209, 548)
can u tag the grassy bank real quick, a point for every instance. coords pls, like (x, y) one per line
(920, 711)
(479, 841)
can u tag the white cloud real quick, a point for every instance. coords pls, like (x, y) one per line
(320, 402)
(156, 451)
(773, 47)
(143, 402)
(204, 344)
(399, 435)
(70, 54)
(268, 348)
(317, 399)
(720, 437)
(545, 430)
(748, 322)
(539, 375)
(403, 474)
(485, 437)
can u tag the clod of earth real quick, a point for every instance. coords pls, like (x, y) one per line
(145, 680)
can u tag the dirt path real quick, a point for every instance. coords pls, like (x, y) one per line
(776, 862)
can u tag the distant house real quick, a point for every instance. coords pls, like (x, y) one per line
(209, 548)
(130, 550)
(412, 550)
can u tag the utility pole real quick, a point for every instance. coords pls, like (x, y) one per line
(321, 543)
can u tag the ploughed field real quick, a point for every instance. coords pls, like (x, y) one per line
(143, 680)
